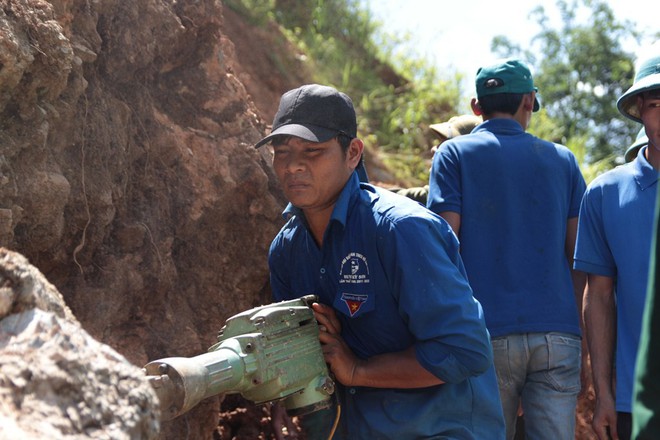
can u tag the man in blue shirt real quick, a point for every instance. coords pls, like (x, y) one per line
(400, 329)
(513, 200)
(614, 248)
(646, 396)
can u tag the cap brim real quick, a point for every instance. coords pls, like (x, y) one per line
(626, 103)
(631, 152)
(537, 101)
(312, 133)
(443, 129)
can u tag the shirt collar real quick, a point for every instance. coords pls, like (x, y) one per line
(501, 125)
(645, 175)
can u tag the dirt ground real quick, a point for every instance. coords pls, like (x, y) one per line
(241, 420)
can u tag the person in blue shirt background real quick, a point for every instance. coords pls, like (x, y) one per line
(646, 390)
(614, 248)
(400, 329)
(513, 200)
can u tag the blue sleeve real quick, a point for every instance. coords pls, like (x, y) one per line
(280, 277)
(279, 283)
(445, 181)
(592, 252)
(435, 298)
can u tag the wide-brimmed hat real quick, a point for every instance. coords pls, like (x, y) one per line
(640, 141)
(315, 113)
(456, 126)
(507, 76)
(647, 77)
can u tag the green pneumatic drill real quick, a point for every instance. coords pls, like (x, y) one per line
(267, 353)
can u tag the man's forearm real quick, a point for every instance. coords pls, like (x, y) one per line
(394, 370)
(600, 323)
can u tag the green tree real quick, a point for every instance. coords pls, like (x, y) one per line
(581, 68)
(396, 96)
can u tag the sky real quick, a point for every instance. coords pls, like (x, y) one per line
(456, 35)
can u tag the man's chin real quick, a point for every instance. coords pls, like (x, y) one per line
(298, 200)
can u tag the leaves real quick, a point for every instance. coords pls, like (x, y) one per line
(581, 70)
(396, 95)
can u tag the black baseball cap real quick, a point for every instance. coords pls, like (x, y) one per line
(315, 113)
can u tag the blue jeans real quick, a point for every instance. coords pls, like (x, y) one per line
(543, 371)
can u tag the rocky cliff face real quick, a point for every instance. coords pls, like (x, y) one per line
(127, 172)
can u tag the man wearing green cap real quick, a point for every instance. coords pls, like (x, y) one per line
(613, 248)
(513, 200)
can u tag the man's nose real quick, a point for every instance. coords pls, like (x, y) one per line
(295, 162)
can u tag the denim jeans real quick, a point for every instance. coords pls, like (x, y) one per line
(542, 369)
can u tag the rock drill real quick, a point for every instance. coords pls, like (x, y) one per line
(265, 354)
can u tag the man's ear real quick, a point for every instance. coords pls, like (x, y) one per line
(528, 101)
(354, 153)
(476, 108)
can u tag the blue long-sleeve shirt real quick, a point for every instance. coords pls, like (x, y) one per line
(392, 271)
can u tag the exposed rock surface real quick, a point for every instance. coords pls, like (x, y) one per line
(56, 381)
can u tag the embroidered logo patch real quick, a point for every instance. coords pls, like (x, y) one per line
(353, 302)
(354, 269)
(354, 283)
